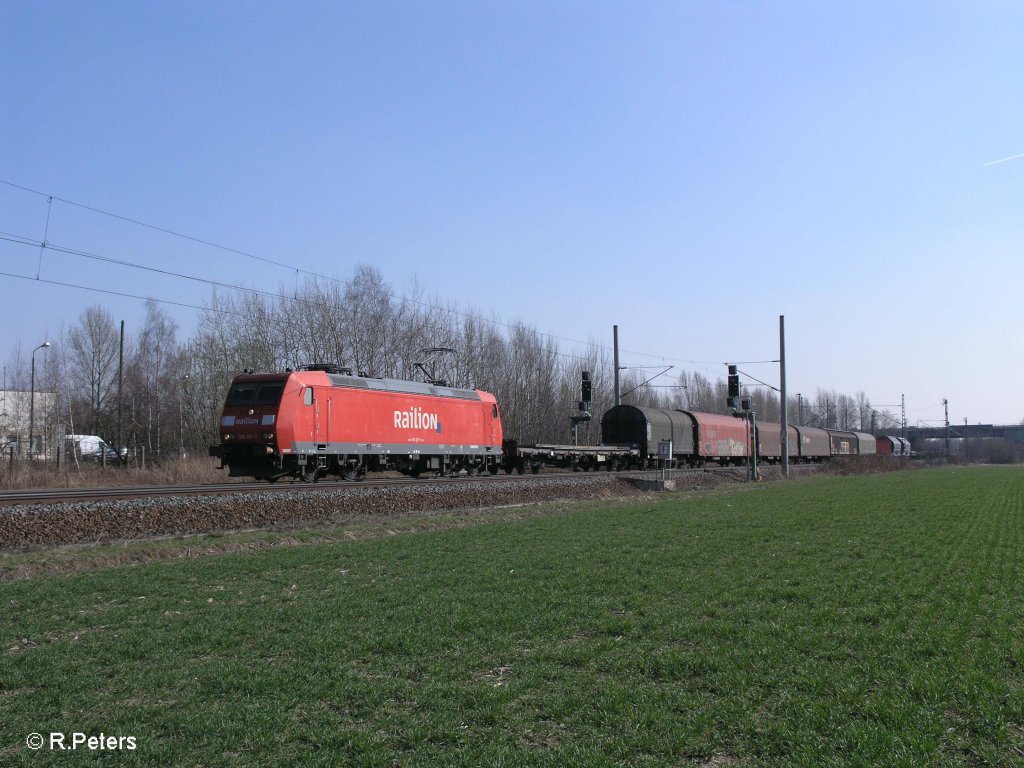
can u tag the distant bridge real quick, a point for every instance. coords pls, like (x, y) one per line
(1012, 433)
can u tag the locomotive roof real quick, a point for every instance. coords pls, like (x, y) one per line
(403, 386)
(369, 382)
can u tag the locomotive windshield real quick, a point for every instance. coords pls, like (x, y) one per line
(256, 393)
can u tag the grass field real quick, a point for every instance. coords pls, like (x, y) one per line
(874, 620)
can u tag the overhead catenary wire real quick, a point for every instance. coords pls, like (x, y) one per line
(647, 381)
(44, 245)
(293, 269)
(762, 383)
(46, 233)
(22, 240)
(299, 270)
(118, 293)
(147, 225)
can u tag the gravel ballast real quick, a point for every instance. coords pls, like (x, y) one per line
(42, 525)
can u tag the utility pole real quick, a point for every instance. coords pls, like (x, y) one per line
(945, 403)
(615, 346)
(903, 416)
(32, 402)
(800, 408)
(967, 442)
(120, 389)
(784, 437)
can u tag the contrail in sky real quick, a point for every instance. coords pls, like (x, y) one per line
(1005, 159)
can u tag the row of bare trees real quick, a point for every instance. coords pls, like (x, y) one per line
(165, 393)
(87, 384)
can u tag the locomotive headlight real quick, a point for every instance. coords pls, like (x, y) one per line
(268, 435)
(228, 436)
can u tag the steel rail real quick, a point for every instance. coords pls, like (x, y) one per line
(50, 495)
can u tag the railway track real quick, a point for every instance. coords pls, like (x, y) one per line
(40, 518)
(51, 495)
(78, 495)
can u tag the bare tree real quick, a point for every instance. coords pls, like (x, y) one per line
(367, 304)
(92, 355)
(153, 390)
(865, 413)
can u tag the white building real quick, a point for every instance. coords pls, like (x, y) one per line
(15, 414)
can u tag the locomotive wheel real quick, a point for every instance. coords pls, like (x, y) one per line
(493, 469)
(472, 470)
(349, 474)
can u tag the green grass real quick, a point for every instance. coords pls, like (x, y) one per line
(834, 621)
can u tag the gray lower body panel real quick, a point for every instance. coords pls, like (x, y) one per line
(406, 450)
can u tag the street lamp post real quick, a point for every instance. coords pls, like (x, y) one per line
(181, 418)
(32, 401)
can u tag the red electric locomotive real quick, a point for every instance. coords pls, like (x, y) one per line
(320, 419)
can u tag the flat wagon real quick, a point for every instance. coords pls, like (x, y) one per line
(578, 458)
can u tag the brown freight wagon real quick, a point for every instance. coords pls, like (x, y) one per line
(720, 438)
(814, 444)
(866, 444)
(769, 442)
(644, 428)
(843, 443)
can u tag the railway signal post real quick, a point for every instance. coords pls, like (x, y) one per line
(743, 409)
(585, 404)
(751, 416)
(665, 457)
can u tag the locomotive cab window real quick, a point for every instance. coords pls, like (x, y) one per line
(494, 411)
(242, 394)
(255, 393)
(307, 396)
(269, 394)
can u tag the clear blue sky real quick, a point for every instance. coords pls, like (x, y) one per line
(687, 170)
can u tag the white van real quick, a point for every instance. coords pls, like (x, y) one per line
(90, 448)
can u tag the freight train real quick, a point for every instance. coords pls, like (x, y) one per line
(700, 438)
(320, 420)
